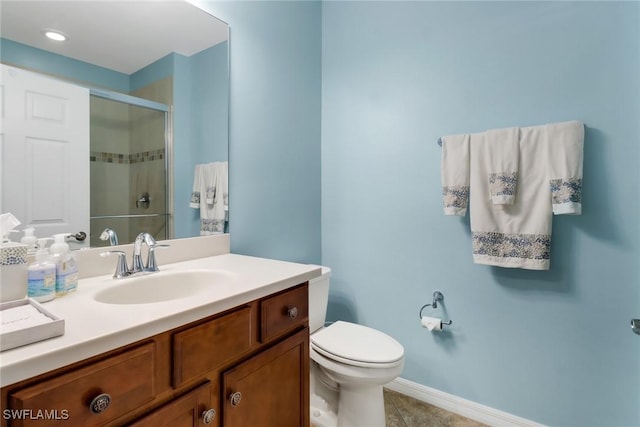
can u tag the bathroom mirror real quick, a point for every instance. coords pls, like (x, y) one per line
(164, 63)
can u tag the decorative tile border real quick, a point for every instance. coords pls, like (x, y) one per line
(141, 157)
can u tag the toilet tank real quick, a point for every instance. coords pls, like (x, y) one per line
(318, 299)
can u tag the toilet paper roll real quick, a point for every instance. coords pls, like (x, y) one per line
(431, 323)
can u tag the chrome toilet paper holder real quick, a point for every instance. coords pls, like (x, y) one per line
(437, 296)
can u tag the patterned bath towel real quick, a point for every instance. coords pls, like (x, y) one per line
(550, 182)
(503, 152)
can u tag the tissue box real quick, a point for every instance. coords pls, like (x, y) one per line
(13, 271)
(26, 321)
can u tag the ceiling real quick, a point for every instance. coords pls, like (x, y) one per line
(124, 36)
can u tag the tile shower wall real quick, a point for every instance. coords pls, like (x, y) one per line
(109, 180)
(127, 160)
(148, 129)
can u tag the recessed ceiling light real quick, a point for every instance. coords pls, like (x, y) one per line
(55, 35)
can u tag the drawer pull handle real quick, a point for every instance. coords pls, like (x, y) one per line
(235, 398)
(293, 312)
(208, 416)
(100, 403)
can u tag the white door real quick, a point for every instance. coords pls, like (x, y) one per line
(44, 156)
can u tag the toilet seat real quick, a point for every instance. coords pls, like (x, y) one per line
(357, 345)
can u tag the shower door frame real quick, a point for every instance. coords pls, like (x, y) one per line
(168, 151)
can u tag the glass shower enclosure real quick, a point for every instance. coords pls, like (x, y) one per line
(130, 140)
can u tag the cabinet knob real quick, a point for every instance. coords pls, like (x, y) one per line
(208, 416)
(235, 398)
(293, 312)
(100, 403)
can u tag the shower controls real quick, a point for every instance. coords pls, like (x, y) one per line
(144, 201)
(635, 326)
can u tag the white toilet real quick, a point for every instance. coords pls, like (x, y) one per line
(349, 365)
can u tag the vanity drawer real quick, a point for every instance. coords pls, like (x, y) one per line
(284, 312)
(113, 387)
(204, 347)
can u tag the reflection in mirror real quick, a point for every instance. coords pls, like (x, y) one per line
(155, 93)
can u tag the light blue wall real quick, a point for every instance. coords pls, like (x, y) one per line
(274, 177)
(201, 125)
(553, 347)
(21, 55)
(210, 69)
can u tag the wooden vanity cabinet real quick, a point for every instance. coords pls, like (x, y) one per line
(248, 366)
(187, 410)
(271, 388)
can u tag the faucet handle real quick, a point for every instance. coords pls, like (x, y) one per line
(122, 270)
(152, 265)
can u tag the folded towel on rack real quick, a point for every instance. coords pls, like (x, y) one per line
(198, 183)
(519, 235)
(455, 174)
(502, 150)
(565, 142)
(210, 195)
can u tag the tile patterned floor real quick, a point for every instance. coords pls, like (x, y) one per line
(404, 411)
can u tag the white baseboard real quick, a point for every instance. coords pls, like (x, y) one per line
(458, 405)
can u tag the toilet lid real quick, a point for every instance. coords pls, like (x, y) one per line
(357, 343)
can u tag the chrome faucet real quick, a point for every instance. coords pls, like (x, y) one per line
(151, 266)
(109, 234)
(137, 267)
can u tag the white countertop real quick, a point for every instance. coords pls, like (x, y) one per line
(92, 327)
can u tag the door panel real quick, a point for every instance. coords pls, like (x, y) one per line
(45, 152)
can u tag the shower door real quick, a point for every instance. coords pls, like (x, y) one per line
(129, 142)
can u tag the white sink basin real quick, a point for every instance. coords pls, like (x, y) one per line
(162, 286)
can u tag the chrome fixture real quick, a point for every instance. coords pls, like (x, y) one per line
(144, 201)
(80, 236)
(437, 296)
(635, 326)
(122, 269)
(109, 234)
(137, 267)
(136, 263)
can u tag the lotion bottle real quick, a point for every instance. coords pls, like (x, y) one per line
(42, 274)
(66, 265)
(30, 240)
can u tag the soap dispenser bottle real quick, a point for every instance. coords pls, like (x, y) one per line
(66, 265)
(42, 274)
(30, 240)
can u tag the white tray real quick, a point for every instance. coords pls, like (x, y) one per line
(30, 334)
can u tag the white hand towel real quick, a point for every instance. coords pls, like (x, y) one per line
(502, 151)
(198, 182)
(565, 142)
(455, 174)
(212, 208)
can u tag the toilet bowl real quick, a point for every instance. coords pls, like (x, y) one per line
(349, 365)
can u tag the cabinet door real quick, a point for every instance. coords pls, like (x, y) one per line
(272, 388)
(189, 410)
(205, 347)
